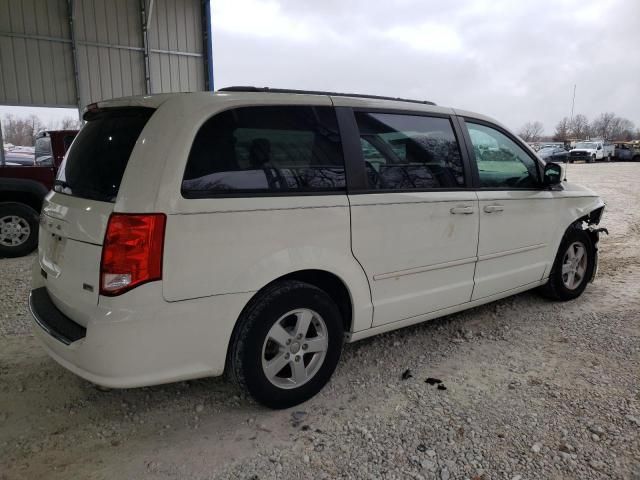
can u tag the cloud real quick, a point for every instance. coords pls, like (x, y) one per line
(428, 36)
(515, 61)
(259, 19)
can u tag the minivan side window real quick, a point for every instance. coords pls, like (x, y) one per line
(409, 152)
(502, 163)
(266, 150)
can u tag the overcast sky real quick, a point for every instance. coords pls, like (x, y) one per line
(513, 60)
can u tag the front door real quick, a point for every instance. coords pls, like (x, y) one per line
(415, 225)
(514, 213)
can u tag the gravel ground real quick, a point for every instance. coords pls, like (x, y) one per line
(534, 390)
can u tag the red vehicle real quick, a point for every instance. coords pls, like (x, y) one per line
(22, 189)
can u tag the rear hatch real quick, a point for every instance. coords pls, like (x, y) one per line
(75, 215)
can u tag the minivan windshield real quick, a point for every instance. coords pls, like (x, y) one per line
(95, 164)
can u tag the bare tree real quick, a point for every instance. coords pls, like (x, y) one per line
(601, 126)
(579, 127)
(621, 129)
(21, 131)
(531, 131)
(609, 126)
(562, 132)
(69, 123)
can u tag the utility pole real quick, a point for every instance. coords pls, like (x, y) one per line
(573, 103)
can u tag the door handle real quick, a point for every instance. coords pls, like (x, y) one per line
(493, 208)
(461, 210)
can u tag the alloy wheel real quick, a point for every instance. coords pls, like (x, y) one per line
(574, 265)
(295, 348)
(14, 231)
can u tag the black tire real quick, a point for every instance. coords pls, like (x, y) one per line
(246, 350)
(26, 214)
(636, 158)
(593, 158)
(555, 288)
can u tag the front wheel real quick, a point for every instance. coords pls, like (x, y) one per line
(18, 229)
(573, 266)
(593, 159)
(287, 344)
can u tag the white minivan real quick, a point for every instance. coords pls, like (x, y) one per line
(253, 231)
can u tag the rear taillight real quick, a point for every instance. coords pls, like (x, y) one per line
(132, 252)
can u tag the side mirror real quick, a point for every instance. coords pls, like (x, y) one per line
(553, 174)
(599, 147)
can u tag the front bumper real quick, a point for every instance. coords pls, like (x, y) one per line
(133, 342)
(580, 157)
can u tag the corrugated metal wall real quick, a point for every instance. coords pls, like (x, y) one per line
(176, 27)
(36, 65)
(108, 49)
(38, 61)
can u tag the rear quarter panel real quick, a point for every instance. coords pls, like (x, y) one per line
(241, 245)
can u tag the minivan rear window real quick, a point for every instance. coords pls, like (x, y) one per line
(95, 164)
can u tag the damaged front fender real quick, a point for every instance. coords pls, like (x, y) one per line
(590, 224)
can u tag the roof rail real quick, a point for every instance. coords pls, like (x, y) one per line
(316, 92)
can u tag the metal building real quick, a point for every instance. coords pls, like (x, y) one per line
(69, 53)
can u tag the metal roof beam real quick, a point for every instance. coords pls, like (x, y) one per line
(145, 45)
(71, 13)
(207, 44)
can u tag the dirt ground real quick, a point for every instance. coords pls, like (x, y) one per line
(535, 390)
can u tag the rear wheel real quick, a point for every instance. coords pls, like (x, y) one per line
(573, 266)
(18, 229)
(287, 344)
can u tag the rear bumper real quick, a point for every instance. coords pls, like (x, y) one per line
(132, 341)
(52, 320)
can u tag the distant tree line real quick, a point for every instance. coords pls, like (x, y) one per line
(607, 126)
(23, 130)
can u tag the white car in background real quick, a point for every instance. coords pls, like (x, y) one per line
(254, 231)
(591, 151)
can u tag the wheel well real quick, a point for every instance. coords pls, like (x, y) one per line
(22, 197)
(591, 219)
(322, 279)
(331, 284)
